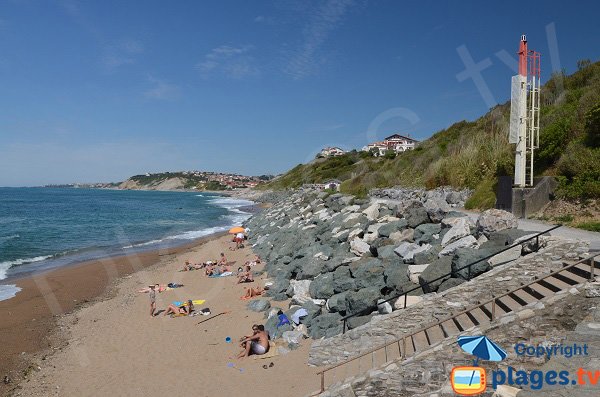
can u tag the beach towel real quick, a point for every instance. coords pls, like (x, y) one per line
(299, 313)
(194, 302)
(283, 320)
(225, 274)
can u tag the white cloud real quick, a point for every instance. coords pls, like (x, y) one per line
(304, 61)
(233, 62)
(162, 90)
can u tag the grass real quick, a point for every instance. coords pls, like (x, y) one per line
(590, 226)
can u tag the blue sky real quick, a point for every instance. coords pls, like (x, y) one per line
(102, 90)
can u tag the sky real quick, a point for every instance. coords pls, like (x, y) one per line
(97, 91)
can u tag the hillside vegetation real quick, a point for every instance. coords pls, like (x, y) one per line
(473, 153)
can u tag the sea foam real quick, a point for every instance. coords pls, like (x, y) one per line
(8, 291)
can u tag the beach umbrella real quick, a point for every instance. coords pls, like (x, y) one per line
(236, 230)
(482, 348)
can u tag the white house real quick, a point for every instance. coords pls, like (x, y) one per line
(332, 184)
(331, 152)
(400, 143)
(377, 148)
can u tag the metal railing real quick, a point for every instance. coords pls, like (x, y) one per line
(468, 267)
(401, 342)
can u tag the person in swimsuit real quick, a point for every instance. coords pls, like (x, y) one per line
(152, 300)
(181, 309)
(257, 343)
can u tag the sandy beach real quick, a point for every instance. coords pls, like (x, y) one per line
(112, 346)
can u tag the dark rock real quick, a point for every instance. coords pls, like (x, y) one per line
(333, 263)
(325, 325)
(274, 331)
(387, 252)
(362, 299)
(322, 286)
(313, 310)
(427, 257)
(437, 268)
(337, 303)
(450, 283)
(311, 269)
(396, 278)
(506, 237)
(465, 256)
(342, 280)
(259, 305)
(357, 321)
(368, 272)
(427, 229)
(415, 214)
(391, 227)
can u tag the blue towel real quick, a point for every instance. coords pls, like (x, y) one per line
(283, 320)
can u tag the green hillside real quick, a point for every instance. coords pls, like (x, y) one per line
(472, 153)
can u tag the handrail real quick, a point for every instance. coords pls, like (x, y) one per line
(405, 294)
(493, 300)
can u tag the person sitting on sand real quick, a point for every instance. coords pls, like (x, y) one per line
(257, 343)
(251, 293)
(246, 277)
(222, 260)
(181, 309)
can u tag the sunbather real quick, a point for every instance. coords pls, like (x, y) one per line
(251, 293)
(246, 277)
(181, 309)
(157, 288)
(257, 343)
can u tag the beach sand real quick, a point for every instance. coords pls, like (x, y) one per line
(113, 346)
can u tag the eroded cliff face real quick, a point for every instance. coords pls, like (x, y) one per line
(166, 184)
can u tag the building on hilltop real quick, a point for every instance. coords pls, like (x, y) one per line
(396, 142)
(331, 152)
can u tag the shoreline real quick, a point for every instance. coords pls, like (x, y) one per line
(31, 318)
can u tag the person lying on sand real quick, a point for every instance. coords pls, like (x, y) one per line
(251, 293)
(157, 287)
(246, 277)
(181, 309)
(257, 343)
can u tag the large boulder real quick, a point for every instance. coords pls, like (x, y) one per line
(396, 278)
(415, 214)
(465, 256)
(337, 303)
(465, 242)
(440, 267)
(403, 235)
(363, 299)
(450, 283)
(436, 208)
(392, 227)
(459, 229)
(427, 257)
(386, 252)
(313, 311)
(368, 273)
(273, 330)
(407, 251)
(322, 286)
(358, 247)
(259, 305)
(424, 233)
(310, 269)
(414, 271)
(342, 280)
(372, 212)
(326, 325)
(494, 220)
(300, 291)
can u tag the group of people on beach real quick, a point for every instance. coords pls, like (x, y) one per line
(186, 308)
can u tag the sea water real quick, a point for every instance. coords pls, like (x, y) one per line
(43, 228)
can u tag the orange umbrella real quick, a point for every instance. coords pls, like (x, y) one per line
(236, 230)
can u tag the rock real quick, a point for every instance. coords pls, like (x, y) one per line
(313, 311)
(388, 229)
(259, 305)
(415, 214)
(414, 271)
(325, 325)
(407, 250)
(494, 220)
(337, 303)
(506, 391)
(362, 299)
(274, 331)
(310, 269)
(426, 257)
(404, 235)
(410, 300)
(453, 197)
(592, 289)
(450, 283)
(459, 230)
(465, 242)
(439, 268)
(358, 247)
(372, 212)
(426, 229)
(342, 280)
(368, 273)
(396, 278)
(372, 233)
(355, 322)
(465, 256)
(322, 286)
(386, 252)
(436, 209)
(383, 307)
(292, 337)
(506, 256)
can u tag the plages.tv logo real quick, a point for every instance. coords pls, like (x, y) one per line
(471, 380)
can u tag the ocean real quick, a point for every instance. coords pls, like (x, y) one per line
(44, 228)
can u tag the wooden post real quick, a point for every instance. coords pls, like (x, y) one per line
(344, 328)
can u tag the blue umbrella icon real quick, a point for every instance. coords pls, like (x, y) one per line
(482, 348)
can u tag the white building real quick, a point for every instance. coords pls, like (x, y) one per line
(398, 143)
(331, 152)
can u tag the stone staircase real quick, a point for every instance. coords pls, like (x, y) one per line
(502, 307)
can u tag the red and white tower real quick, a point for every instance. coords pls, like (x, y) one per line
(525, 113)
